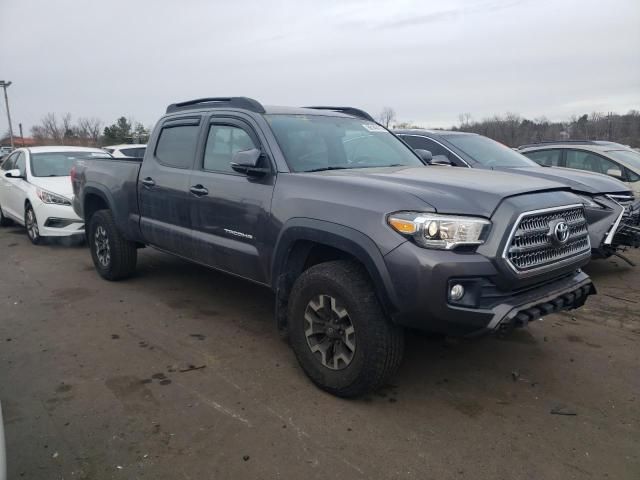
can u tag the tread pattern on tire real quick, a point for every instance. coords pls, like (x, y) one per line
(386, 338)
(124, 253)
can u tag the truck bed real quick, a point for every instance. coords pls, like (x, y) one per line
(113, 180)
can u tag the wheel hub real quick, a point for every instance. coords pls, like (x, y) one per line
(329, 331)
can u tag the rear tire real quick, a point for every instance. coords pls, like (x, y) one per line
(339, 333)
(113, 255)
(31, 224)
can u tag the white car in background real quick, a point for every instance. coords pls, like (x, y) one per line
(35, 190)
(135, 150)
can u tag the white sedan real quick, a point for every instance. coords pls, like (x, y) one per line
(135, 150)
(35, 190)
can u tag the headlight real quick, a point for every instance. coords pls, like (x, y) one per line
(54, 198)
(446, 232)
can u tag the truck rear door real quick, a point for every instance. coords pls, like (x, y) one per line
(229, 210)
(163, 185)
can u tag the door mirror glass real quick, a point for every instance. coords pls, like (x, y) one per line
(15, 173)
(247, 161)
(615, 172)
(425, 155)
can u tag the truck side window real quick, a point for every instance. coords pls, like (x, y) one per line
(223, 142)
(177, 145)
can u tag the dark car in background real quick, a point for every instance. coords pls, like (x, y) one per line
(612, 210)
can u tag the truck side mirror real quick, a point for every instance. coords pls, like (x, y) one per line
(15, 173)
(425, 155)
(615, 172)
(247, 161)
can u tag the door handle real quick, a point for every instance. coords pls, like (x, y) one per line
(199, 190)
(148, 182)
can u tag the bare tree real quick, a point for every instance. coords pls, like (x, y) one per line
(89, 130)
(387, 116)
(50, 129)
(465, 120)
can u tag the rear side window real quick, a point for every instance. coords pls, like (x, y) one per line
(223, 142)
(583, 160)
(550, 158)
(177, 145)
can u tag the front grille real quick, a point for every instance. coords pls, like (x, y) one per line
(532, 245)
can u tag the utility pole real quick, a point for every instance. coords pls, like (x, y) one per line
(4, 85)
(21, 135)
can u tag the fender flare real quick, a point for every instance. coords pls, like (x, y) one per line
(340, 237)
(104, 193)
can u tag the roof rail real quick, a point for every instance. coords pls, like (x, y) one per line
(356, 112)
(559, 142)
(218, 102)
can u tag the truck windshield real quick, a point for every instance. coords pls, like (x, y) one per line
(489, 153)
(58, 164)
(315, 143)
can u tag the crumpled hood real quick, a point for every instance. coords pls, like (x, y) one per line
(578, 180)
(60, 185)
(448, 190)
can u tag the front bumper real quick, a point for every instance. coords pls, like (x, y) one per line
(422, 280)
(57, 220)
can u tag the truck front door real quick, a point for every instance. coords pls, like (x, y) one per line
(230, 211)
(163, 186)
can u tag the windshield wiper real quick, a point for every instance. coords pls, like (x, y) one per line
(323, 169)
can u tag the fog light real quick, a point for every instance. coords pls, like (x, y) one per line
(456, 292)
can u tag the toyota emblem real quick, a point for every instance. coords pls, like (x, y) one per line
(559, 232)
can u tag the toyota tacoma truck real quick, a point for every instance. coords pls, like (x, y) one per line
(355, 235)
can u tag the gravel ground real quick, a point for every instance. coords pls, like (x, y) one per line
(179, 373)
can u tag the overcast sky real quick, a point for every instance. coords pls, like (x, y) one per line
(429, 60)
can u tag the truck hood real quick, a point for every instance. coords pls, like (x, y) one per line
(60, 185)
(579, 181)
(447, 190)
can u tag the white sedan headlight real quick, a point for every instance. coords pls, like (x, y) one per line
(445, 232)
(50, 197)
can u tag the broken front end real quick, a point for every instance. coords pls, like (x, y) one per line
(614, 224)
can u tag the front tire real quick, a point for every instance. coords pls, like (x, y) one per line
(339, 333)
(31, 224)
(4, 221)
(113, 255)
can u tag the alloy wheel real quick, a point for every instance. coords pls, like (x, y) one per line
(329, 331)
(103, 249)
(32, 224)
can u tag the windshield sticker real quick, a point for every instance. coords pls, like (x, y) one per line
(373, 127)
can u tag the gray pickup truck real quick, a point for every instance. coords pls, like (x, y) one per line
(356, 237)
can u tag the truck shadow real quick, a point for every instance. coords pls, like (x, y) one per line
(459, 369)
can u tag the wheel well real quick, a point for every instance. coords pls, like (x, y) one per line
(93, 203)
(302, 255)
